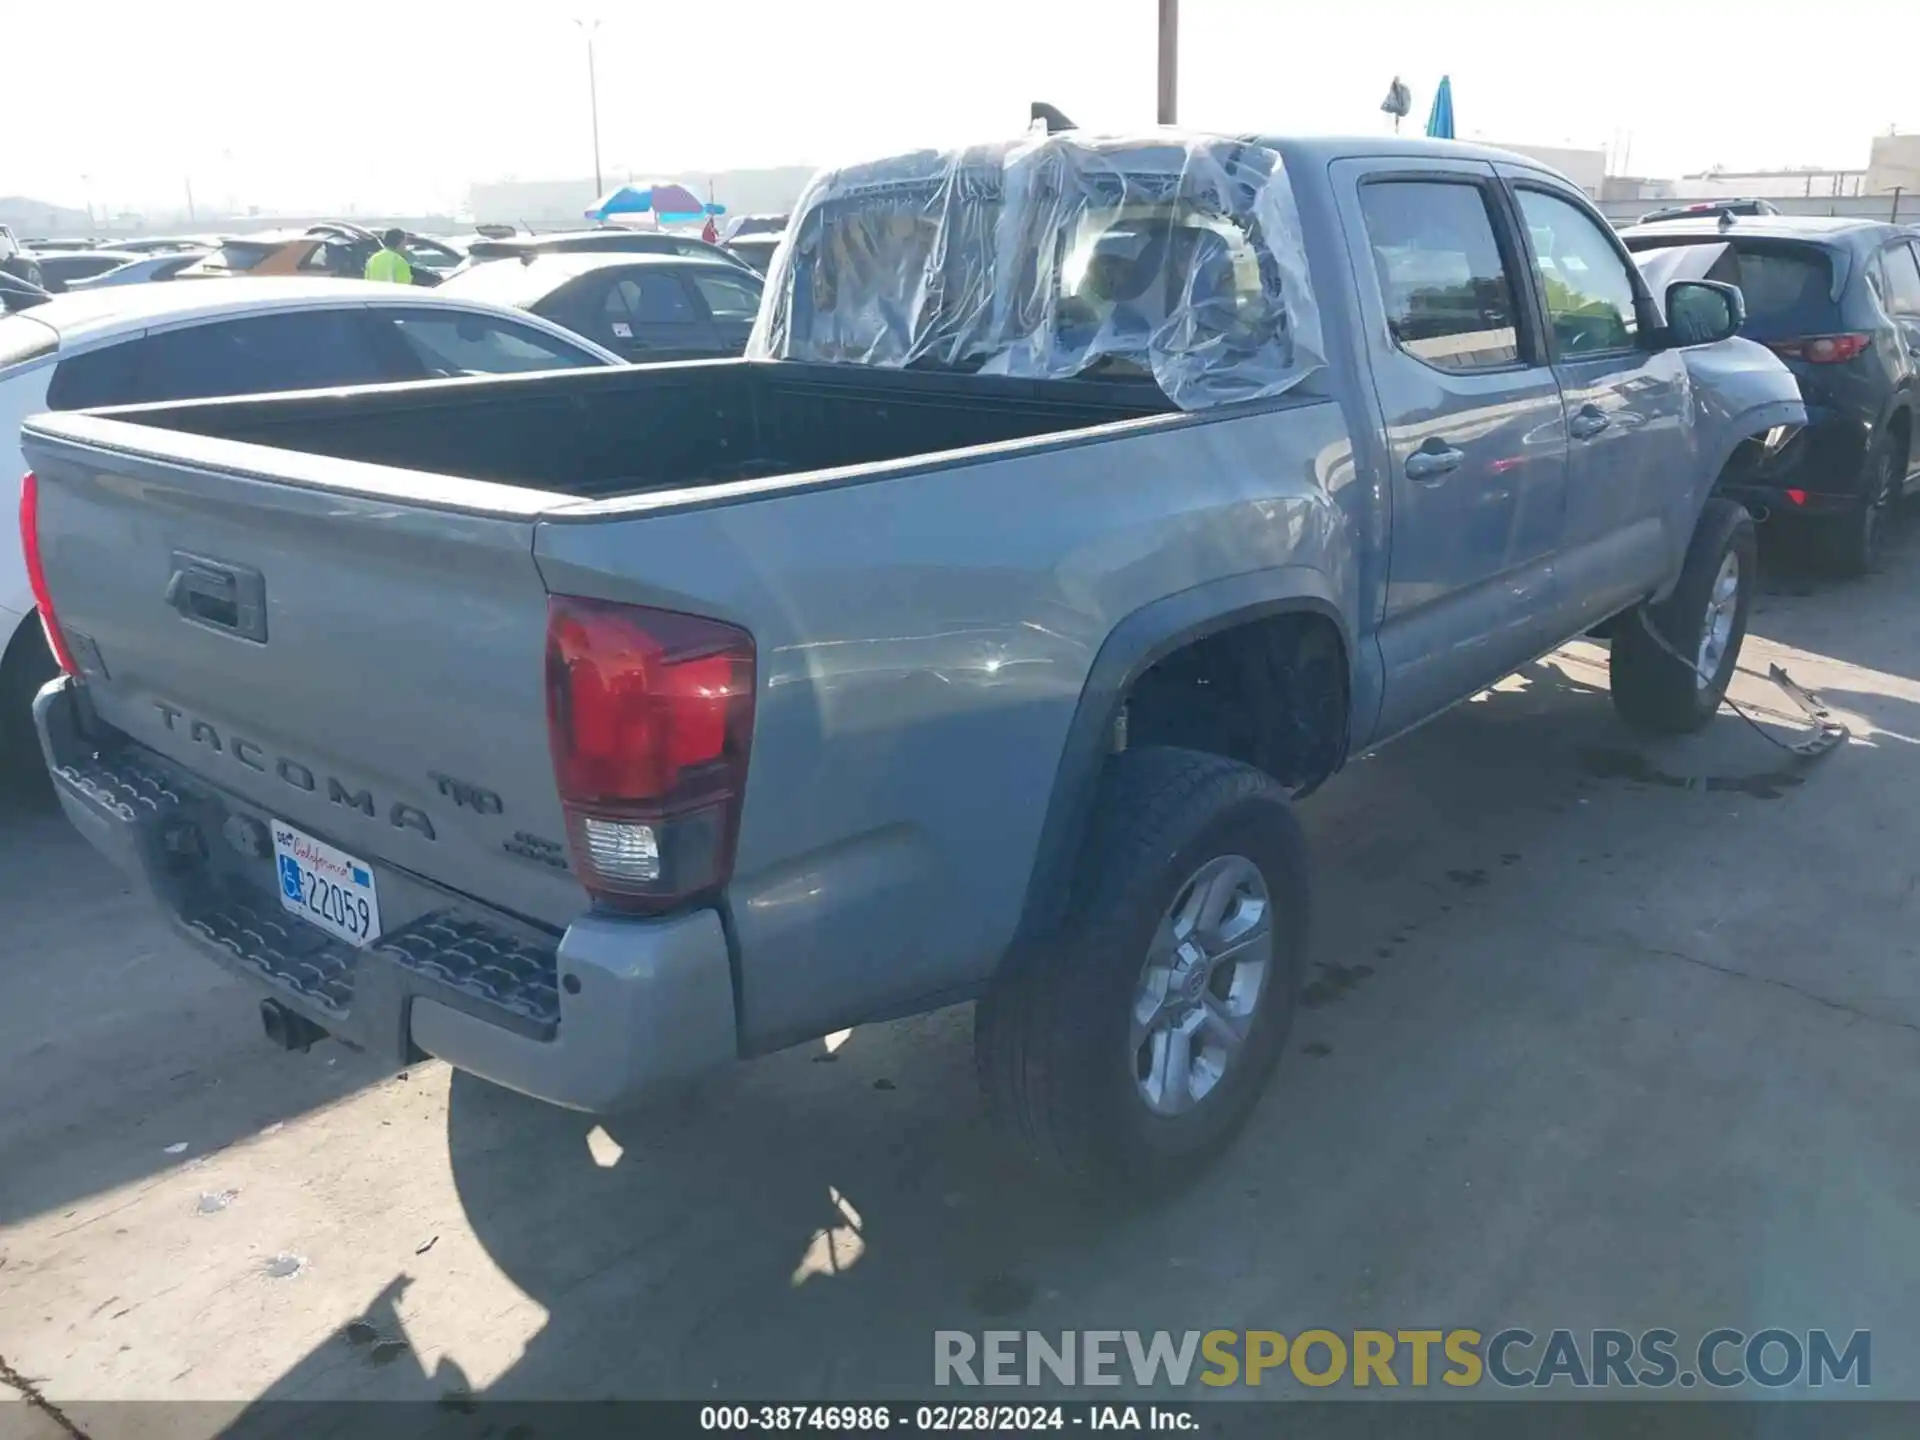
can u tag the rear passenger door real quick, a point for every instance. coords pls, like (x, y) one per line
(1628, 415)
(1475, 437)
(651, 315)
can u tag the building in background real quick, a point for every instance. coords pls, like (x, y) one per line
(1804, 182)
(39, 217)
(1585, 168)
(1894, 164)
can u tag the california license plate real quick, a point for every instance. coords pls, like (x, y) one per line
(325, 886)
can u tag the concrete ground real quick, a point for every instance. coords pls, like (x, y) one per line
(1586, 1045)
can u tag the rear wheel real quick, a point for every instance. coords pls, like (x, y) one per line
(1852, 544)
(1129, 1055)
(1704, 620)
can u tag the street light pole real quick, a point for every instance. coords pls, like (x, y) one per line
(1169, 60)
(587, 27)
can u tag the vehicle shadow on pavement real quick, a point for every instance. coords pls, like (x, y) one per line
(1530, 931)
(99, 1003)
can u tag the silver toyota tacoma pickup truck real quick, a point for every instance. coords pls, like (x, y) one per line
(1080, 504)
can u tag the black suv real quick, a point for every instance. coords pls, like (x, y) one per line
(1839, 301)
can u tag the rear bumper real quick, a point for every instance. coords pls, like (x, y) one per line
(590, 1019)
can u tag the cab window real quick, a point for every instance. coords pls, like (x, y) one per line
(1589, 290)
(1443, 281)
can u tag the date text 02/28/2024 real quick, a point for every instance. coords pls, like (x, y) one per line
(944, 1418)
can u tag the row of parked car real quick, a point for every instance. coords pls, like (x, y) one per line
(505, 303)
(341, 249)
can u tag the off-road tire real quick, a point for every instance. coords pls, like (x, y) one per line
(1050, 1036)
(1652, 690)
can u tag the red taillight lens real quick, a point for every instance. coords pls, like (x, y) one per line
(37, 571)
(650, 716)
(1822, 349)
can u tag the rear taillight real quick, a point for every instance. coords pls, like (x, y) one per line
(37, 571)
(1821, 349)
(650, 716)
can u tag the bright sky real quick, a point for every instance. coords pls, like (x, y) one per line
(300, 105)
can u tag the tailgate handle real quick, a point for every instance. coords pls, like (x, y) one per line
(229, 598)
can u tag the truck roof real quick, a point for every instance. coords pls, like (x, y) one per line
(1296, 150)
(1324, 149)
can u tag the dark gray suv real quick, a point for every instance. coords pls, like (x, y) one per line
(1838, 300)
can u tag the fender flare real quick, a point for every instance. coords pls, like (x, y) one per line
(1131, 648)
(1746, 425)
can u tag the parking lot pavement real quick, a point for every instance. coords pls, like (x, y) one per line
(1600, 1034)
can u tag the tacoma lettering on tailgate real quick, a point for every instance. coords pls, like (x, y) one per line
(400, 815)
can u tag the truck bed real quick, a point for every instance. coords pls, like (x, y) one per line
(594, 434)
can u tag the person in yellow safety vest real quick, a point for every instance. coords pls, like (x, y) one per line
(387, 263)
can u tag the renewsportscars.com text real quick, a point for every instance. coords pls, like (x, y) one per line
(1515, 1358)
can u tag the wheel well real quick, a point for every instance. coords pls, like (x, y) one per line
(1272, 693)
(1901, 423)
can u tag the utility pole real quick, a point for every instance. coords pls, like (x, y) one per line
(191, 217)
(587, 27)
(1169, 61)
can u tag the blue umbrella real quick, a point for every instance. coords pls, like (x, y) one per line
(661, 199)
(1440, 118)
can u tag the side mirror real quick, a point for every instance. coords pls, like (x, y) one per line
(1700, 312)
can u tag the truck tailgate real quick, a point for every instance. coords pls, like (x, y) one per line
(315, 638)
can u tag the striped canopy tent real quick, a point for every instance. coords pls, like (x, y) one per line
(667, 201)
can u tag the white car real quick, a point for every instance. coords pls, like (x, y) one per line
(127, 344)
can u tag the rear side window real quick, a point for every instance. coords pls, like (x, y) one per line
(1903, 281)
(1449, 298)
(96, 377)
(727, 298)
(447, 343)
(259, 354)
(656, 299)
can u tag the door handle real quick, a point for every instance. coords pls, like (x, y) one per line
(229, 598)
(1587, 424)
(1430, 466)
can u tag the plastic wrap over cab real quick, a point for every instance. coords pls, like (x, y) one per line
(1051, 257)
